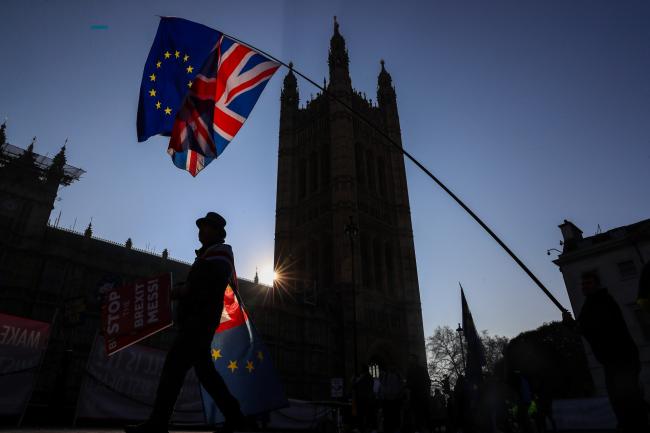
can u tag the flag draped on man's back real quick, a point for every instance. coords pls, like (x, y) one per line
(198, 86)
(239, 355)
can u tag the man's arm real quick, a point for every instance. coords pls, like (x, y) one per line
(570, 322)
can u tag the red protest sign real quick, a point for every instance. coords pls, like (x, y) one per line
(135, 311)
(22, 344)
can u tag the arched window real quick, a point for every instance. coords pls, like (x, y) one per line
(390, 270)
(366, 264)
(381, 175)
(370, 172)
(313, 172)
(325, 164)
(302, 178)
(358, 156)
(373, 369)
(379, 268)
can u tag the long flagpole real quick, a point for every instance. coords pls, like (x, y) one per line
(420, 166)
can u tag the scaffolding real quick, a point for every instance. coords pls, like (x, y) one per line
(10, 153)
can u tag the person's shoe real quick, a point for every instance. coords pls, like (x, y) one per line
(146, 427)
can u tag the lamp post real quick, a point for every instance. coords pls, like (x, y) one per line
(352, 230)
(462, 349)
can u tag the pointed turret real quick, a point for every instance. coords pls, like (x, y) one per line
(385, 90)
(338, 60)
(289, 96)
(387, 101)
(3, 133)
(55, 172)
(289, 99)
(27, 158)
(88, 233)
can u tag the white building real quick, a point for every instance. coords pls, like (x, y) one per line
(618, 256)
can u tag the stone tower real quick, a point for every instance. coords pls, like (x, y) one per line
(28, 188)
(333, 169)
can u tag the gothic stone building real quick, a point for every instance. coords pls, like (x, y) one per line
(332, 168)
(333, 171)
(53, 274)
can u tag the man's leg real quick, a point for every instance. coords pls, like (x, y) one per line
(214, 384)
(178, 361)
(626, 398)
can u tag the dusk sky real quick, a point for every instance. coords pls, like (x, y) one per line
(531, 112)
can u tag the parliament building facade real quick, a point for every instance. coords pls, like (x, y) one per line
(334, 172)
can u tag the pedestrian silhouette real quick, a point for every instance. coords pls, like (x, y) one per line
(601, 323)
(391, 393)
(419, 385)
(438, 410)
(200, 304)
(364, 398)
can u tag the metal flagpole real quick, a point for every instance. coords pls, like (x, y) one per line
(420, 166)
(84, 378)
(40, 365)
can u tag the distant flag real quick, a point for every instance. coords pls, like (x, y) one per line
(240, 356)
(475, 351)
(198, 87)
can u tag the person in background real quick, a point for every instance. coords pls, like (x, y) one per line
(602, 324)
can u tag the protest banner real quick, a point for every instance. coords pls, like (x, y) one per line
(22, 344)
(123, 386)
(135, 311)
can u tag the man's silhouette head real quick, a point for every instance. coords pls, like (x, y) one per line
(211, 229)
(590, 282)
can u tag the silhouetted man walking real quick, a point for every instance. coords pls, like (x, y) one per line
(419, 385)
(200, 304)
(601, 323)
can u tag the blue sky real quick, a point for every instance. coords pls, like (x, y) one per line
(532, 112)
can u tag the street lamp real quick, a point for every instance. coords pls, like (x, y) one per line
(352, 230)
(462, 349)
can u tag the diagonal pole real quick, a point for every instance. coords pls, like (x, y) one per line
(421, 167)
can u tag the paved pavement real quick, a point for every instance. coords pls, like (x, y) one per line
(113, 430)
(85, 430)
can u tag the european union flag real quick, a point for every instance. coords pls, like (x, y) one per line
(244, 363)
(176, 56)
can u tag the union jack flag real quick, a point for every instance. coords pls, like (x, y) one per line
(220, 99)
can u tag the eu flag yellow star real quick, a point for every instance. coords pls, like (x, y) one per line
(249, 366)
(189, 69)
(216, 354)
(152, 77)
(158, 64)
(177, 54)
(168, 111)
(189, 84)
(158, 105)
(186, 58)
(152, 92)
(167, 54)
(232, 366)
